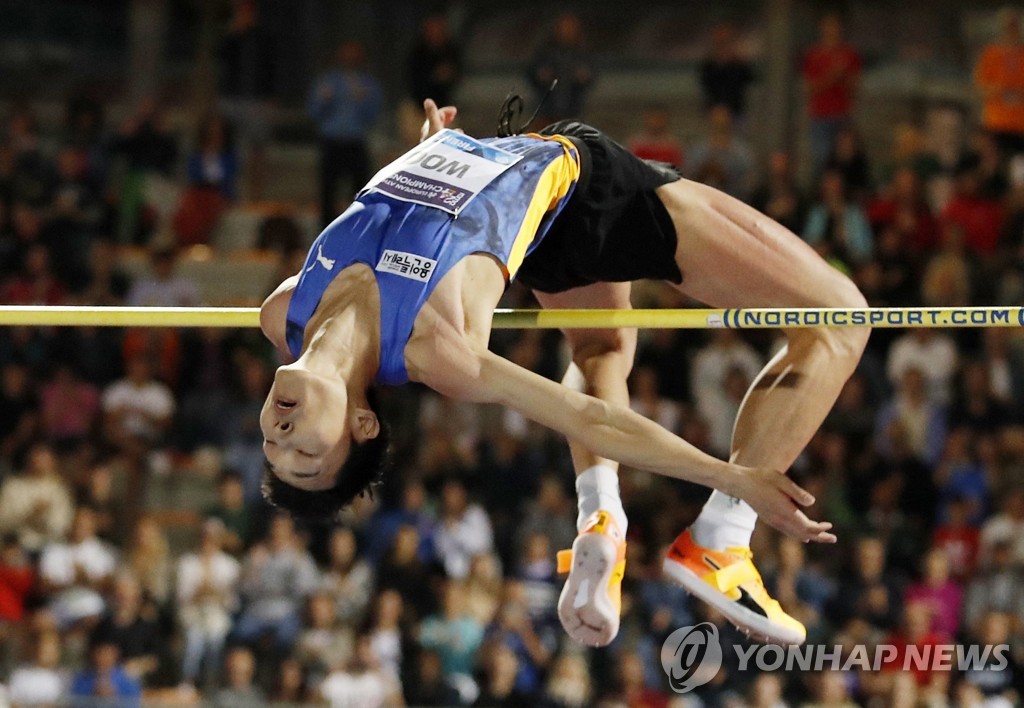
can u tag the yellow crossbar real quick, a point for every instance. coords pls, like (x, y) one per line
(761, 318)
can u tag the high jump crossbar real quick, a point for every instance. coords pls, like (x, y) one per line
(752, 318)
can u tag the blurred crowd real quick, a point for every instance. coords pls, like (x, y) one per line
(439, 589)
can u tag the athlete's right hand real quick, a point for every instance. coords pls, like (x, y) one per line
(437, 119)
(777, 500)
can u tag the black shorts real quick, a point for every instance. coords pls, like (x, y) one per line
(614, 227)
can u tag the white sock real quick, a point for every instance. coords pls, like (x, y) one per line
(598, 488)
(724, 522)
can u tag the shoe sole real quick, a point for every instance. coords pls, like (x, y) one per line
(752, 624)
(584, 608)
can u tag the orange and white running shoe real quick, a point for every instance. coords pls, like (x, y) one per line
(591, 599)
(728, 581)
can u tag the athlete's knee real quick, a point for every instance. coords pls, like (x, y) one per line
(845, 343)
(602, 347)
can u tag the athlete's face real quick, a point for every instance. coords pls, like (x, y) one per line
(306, 431)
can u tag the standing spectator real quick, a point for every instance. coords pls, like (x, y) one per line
(213, 164)
(631, 684)
(870, 593)
(932, 353)
(345, 103)
(454, 634)
(230, 509)
(500, 671)
(239, 691)
(36, 505)
(725, 75)
(277, 576)
(150, 152)
(464, 530)
(17, 580)
(132, 626)
(550, 512)
(998, 587)
(403, 570)
(107, 284)
(942, 595)
(74, 217)
(646, 399)
(978, 215)
(149, 558)
(387, 632)
(995, 679)
(70, 407)
(74, 574)
(138, 408)
(913, 419)
(714, 372)
(106, 680)
(999, 76)
(363, 683)
(656, 140)
(291, 687)
(35, 283)
(909, 149)
(233, 513)
(39, 682)
(569, 684)
(412, 511)
(206, 598)
(831, 69)
(849, 158)
(779, 196)
(722, 159)
(903, 207)
(19, 409)
(325, 644)
(837, 226)
(434, 67)
(212, 172)
(958, 539)
(347, 577)
(562, 57)
(1007, 526)
(163, 287)
(248, 64)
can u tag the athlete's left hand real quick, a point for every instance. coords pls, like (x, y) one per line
(777, 500)
(437, 119)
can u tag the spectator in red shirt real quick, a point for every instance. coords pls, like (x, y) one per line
(916, 632)
(35, 284)
(16, 579)
(903, 208)
(958, 538)
(831, 69)
(656, 140)
(979, 217)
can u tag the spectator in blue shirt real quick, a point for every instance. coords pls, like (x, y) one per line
(345, 103)
(105, 682)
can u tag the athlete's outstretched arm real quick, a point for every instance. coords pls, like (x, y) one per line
(618, 433)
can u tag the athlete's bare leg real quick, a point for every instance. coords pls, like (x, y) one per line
(589, 604)
(732, 256)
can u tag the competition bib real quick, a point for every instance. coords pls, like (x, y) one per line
(445, 171)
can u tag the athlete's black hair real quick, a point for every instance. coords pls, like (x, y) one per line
(362, 470)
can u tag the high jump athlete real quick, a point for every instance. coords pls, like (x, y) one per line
(402, 287)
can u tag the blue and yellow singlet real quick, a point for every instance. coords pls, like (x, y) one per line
(446, 199)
